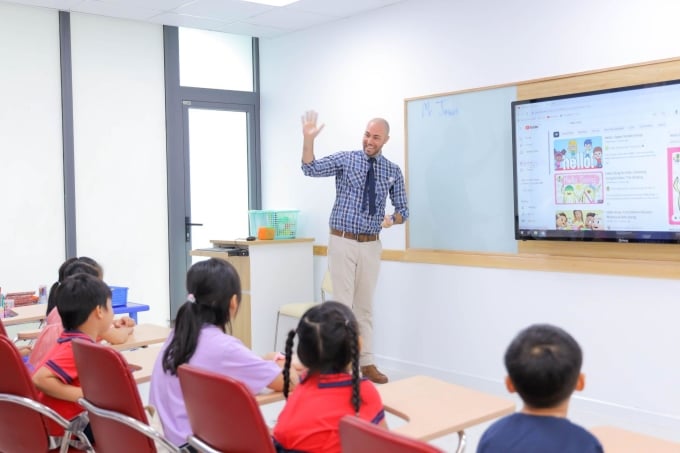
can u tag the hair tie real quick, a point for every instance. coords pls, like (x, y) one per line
(191, 298)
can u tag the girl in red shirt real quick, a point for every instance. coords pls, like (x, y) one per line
(328, 346)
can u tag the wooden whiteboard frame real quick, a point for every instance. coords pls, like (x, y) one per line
(626, 259)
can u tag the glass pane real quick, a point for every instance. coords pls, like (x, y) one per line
(210, 59)
(218, 153)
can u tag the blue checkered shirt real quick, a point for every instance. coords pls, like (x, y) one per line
(349, 213)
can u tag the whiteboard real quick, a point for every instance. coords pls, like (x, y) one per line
(459, 171)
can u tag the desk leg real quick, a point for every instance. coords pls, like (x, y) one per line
(461, 442)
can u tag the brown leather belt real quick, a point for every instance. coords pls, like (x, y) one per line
(355, 237)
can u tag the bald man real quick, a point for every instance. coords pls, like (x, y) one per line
(363, 181)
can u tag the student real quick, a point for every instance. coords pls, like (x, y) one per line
(84, 303)
(62, 274)
(329, 346)
(544, 367)
(118, 333)
(200, 339)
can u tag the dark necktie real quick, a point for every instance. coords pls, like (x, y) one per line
(369, 187)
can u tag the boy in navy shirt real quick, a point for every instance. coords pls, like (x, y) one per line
(544, 367)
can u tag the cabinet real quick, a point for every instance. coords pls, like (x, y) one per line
(273, 273)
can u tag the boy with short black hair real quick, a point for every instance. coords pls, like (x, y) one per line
(84, 304)
(544, 367)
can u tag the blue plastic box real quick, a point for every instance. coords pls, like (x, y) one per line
(118, 296)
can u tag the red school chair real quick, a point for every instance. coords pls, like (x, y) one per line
(360, 436)
(22, 336)
(223, 415)
(110, 395)
(23, 420)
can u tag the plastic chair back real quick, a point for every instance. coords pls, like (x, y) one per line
(359, 436)
(107, 383)
(326, 285)
(222, 412)
(3, 331)
(21, 428)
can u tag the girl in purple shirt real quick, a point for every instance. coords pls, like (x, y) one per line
(200, 339)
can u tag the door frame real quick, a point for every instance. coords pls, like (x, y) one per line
(177, 100)
(253, 186)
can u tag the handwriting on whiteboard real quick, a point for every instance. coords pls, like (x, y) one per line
(438, 107)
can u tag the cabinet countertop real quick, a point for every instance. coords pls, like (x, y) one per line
(244, 243)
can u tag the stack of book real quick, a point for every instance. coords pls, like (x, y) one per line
(22, 298)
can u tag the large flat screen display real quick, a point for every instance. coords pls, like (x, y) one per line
(601, 165)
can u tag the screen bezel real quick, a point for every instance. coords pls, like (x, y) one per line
(621, 236)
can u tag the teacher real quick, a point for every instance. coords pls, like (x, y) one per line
(363, 181)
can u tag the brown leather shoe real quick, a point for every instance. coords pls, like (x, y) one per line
(372, 374)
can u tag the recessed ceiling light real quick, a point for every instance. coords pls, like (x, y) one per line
(272, 2)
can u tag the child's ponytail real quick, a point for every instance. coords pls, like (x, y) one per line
(286, 366)
(212, 285)
(354, 348)
(185, 339)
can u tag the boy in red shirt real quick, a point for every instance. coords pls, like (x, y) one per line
(84, 304)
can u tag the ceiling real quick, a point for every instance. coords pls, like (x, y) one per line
(230, 16)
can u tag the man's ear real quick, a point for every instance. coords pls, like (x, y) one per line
(509, 385)
(580, 382)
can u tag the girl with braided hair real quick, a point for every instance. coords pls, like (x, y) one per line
(328, 346)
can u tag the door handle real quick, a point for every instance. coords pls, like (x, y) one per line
(187, 228)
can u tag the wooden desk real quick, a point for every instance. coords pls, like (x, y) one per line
(435, 408)
(617, 440)
(26, 314)
(144, 335)
(145, 358)
(36, 312)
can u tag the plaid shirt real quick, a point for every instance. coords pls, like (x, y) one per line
(350, 168)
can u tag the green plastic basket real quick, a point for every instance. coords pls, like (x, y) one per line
(283, 222)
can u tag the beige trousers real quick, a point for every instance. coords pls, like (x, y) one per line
(354, 268)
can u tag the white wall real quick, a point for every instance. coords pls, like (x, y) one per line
(31, 176)
(120, 166)
(452, 321)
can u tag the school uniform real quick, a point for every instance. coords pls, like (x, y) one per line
(61, 362)
(46, 340)
(524, 433)
(217, 352)
(309, 420)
